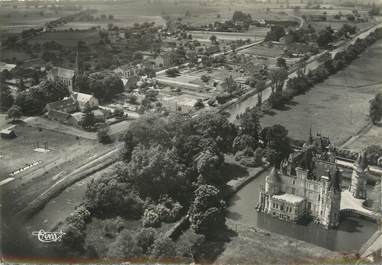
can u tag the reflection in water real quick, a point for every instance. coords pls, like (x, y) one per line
(349, 236)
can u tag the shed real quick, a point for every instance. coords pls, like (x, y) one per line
(8, 133)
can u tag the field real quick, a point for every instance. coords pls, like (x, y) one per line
(67, 38)
(15, 20)
(19, 152)
(370, 137)
(264, 50)
(337, 107)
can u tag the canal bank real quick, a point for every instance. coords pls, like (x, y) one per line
(352, 233)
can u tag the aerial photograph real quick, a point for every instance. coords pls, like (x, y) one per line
(227, 132)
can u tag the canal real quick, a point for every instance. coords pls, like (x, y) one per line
(349, 236)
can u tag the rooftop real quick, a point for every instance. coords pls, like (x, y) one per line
(63, 72)
(289, 198)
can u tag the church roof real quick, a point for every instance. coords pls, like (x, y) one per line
(62, 72)
(82, 97)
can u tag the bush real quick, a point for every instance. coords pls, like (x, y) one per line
(151, 218)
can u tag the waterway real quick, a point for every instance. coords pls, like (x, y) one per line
(349, 236)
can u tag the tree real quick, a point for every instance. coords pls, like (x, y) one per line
(124, 247)
(119, 112)
(199, 104)
(206, 212)
(53, 90)
(375, 109)
(373, 153)
(103, 135)
(277, 142)
(163, 248)
(107, 197)
(213, 39)
(172, 72)
(275, 33)
(88, 121)
(6, 98)
(14, 113)
(325, 37)
(281, 62)
(153, 171)
(249, 123)
(278, 77)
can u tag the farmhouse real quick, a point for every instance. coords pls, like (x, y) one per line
(85, 101)
(62, 74)
(64, 117)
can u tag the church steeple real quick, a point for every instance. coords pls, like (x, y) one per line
(310, 138)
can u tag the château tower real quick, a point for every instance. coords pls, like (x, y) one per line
(359, 177)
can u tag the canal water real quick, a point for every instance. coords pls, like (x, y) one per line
(349, 236)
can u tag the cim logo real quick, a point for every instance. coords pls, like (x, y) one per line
(48, 237)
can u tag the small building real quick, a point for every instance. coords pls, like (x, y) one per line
(85, 101)
(77, 118)
(99, 115)
(62, 74)
(8, 133)
(68, 105)
(126, 71)
(6, 66)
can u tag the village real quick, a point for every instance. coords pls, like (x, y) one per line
(92, 94)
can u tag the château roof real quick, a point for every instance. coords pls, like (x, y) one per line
(290, 198)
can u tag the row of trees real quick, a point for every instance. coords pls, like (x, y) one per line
(302, 82)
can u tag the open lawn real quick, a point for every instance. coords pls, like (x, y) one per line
(337, 107)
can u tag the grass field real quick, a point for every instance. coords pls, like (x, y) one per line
(371, 137)
(18, 152)
(337, 107)
(68, 38)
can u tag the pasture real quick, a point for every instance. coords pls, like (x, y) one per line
(339, 106)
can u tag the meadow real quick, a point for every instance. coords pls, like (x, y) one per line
(339, 106)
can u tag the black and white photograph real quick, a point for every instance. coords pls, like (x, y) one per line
(224, 132)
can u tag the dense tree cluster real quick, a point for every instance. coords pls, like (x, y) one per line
(102, 86)
(375, 109)
(34, 100)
